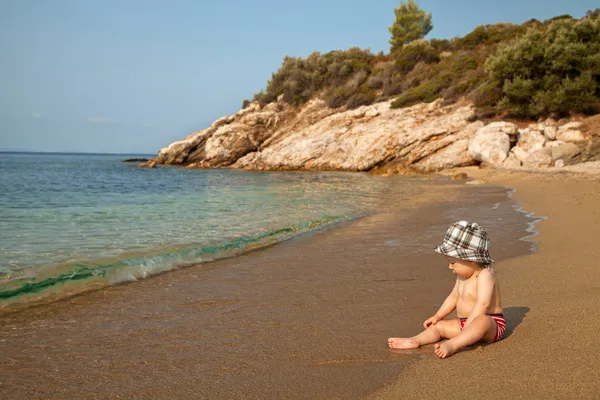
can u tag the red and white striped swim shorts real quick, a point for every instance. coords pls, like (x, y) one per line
(500, 325)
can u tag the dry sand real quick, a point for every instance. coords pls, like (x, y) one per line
(550, 298)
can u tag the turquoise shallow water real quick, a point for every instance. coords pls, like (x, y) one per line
(70, 218)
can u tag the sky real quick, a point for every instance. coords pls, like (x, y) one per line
(133, 76)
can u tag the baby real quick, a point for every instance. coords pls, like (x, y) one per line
(475, 296)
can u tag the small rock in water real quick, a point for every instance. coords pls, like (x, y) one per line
(460, 176)
(148, 164)
(135, 160)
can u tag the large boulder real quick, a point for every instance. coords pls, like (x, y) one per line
(512, 161)
(519, 153)
(177, 153)
(564, 152)
(490, 144)
(148, 164)
(550, 132)
(575, 125)
(553, 143)
(502, 126)
(538, 159)
(531, 140)
(570, 135)
(227, 144)
(533, 159)
(571, 132)
(548, 128)
(452, 156)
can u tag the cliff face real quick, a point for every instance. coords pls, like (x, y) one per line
(422, 138)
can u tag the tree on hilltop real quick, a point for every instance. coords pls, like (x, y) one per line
(412, 23)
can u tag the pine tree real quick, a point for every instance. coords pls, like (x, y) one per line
(412, 23)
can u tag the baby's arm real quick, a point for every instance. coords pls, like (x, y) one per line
(485, 290)
(447, 307)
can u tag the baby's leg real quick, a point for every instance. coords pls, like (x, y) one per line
(444, 329)
(482, 328)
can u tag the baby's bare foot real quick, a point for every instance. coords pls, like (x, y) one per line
(402, 343)
(444, 350)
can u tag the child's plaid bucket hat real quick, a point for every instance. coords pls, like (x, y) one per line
(466, 241)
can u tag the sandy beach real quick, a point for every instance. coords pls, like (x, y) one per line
(305, 319)
(309, 318)
(550, 298)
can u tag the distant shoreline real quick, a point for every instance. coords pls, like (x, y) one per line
(72, 153)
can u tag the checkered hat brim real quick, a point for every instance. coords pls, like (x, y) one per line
(466, 241)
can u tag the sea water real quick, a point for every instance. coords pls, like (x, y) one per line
(72, 222)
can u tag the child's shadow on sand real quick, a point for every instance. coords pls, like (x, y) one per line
(514, 316)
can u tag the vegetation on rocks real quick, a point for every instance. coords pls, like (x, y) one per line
(549, 68)
(552, 69)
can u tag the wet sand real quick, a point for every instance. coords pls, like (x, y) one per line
(305, 319)
(552, 296)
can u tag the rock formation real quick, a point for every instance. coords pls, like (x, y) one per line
(422, 138)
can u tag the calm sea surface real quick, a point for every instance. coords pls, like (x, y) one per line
(72, 222)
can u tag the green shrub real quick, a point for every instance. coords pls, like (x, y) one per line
(424, 93)
(337, 97)
(571, 94)
(463, 85)
(559, 18)
(554, 69)
(593, 13)
(486, 95)
(501, 32)
(298, 79)
(440, 45)
(414, 53)
(392, 79)
(463, 63)
(264, 98)
(375, 82)
(475, 38)
(519, 93)
(422, 73)
(392, 87)
(363, 97)
(354, 93)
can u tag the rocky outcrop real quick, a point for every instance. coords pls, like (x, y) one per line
(422, 138)
(362, 139)
(491, 143)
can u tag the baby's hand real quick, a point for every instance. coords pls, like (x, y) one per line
(430, 321)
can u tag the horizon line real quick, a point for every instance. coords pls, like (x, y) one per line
(72, 152)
